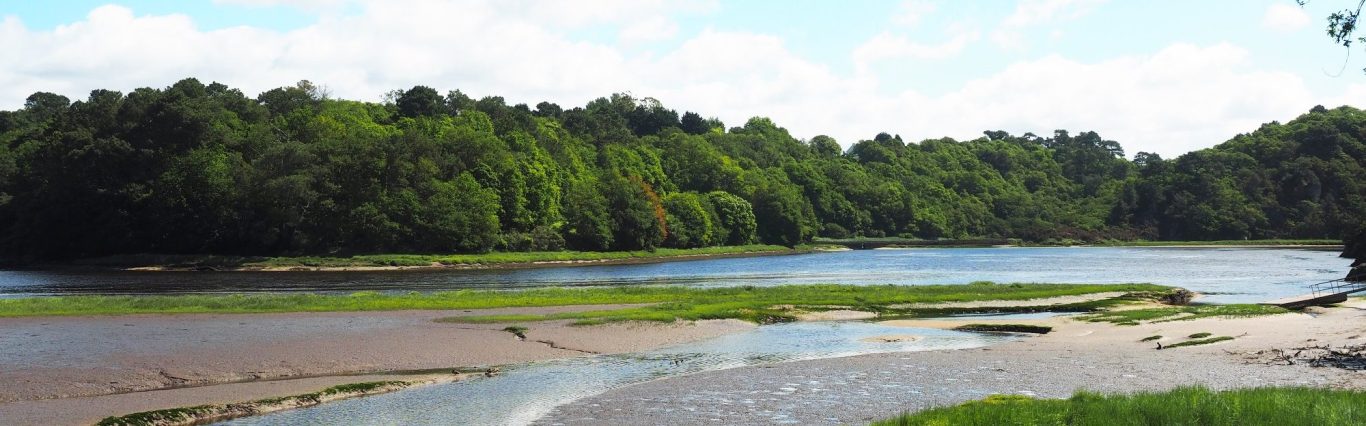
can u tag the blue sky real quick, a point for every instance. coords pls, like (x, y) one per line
(1160, 75)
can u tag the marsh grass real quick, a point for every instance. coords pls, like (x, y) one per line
(1181, 313)
(1182, 406)
(1282, 242)
(1007, 328)
(1198, 342)
(497, 258)
(1151, 338)
(201, 413)
(668, 303)
(767, 305)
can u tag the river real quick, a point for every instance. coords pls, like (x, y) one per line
(1227, 275)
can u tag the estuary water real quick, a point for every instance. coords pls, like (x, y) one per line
(1226, 275)
(522, 394)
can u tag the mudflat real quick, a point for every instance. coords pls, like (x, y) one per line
(77, 370)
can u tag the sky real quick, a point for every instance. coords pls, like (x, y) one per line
(1159, 76)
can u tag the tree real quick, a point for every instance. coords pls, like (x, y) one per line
(1342, 25)
(735, 223)
(420, 101)
(689, 222)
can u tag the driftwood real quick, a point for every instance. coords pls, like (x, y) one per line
(1349, 357)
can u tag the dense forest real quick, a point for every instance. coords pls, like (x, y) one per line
(197, 168)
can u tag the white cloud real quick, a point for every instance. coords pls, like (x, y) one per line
(1179, 98)
(1284, 18)
(910, 12)
(887, 46)
(309, 5)
(656, 28)
(1029, 13)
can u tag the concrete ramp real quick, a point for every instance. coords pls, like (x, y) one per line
(1327, 292)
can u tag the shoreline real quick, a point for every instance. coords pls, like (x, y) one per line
(89, 265)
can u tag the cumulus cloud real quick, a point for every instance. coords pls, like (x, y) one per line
(1170, 101)
(887, 46)
(1284, 18)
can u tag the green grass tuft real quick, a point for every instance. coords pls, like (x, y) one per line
(1150, 338)
(1181, 406)
(156, 417)
(1010, 328)
(1200, 335)
(1181, 313)
(1198, 342)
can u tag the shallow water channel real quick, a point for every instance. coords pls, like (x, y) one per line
(523, 393)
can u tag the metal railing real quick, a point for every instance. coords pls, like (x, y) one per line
(1340, 285)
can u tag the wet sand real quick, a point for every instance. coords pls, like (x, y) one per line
(1076, 356)
(76, 370)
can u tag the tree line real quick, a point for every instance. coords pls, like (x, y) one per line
(195, 168)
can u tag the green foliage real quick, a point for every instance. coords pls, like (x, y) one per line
(674, 302)
(195, 168)
(1150, 338)
(1184, 406)
(690, 223)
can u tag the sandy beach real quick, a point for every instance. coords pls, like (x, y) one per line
(1075, 356)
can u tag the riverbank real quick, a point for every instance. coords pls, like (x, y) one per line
(397, 262)
(1075, 355)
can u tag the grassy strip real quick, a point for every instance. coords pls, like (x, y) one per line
(1198, 342)
(497, 258)
(1009, 328)
(670, 298)
(1182, 313)
(766, 305)
(1287, 242)
(201, 413)
(1181, 406)
(1151, 338)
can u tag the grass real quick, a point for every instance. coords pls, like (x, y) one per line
(1182, 313)
(750, 303)
(1198, 342)
(157, 417)
(1010, 328)
(1200, 335)
(498, 258)
(196, 414)
(766, 305)
(1151, 338)
(1181, 406)
(517, 330)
